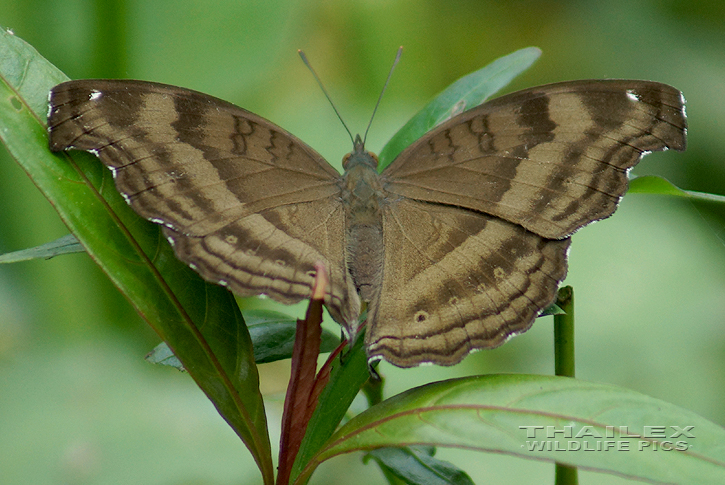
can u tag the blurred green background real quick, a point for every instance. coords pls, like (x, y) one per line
(79, 405)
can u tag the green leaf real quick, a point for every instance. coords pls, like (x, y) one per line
(162, 355)
(552, 309)
(548, 418)
(415, 465)
(199, 321)
(273, 338)
(63, 245)
(464, 94)
(652, 184)
(273, 335)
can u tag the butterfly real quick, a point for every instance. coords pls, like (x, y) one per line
(456, 246)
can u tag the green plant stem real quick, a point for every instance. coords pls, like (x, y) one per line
(564, 363)
(566, 475)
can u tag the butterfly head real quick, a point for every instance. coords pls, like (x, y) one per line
(359, 156)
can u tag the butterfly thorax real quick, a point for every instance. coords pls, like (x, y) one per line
(362, 194)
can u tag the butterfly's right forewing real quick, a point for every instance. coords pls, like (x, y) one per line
(551, 158)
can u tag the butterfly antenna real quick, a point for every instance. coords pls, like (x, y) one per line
(317, 78)
(390, 74)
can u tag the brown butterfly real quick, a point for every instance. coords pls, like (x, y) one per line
(456, 246)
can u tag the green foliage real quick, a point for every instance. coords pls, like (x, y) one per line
(199, 321)
(272, 334)
(415, 465)
(65, 245)
(517, 414)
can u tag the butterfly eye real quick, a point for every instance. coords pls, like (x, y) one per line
(346, 159)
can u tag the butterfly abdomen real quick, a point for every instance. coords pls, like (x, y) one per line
(361, 196)
(365, 258)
